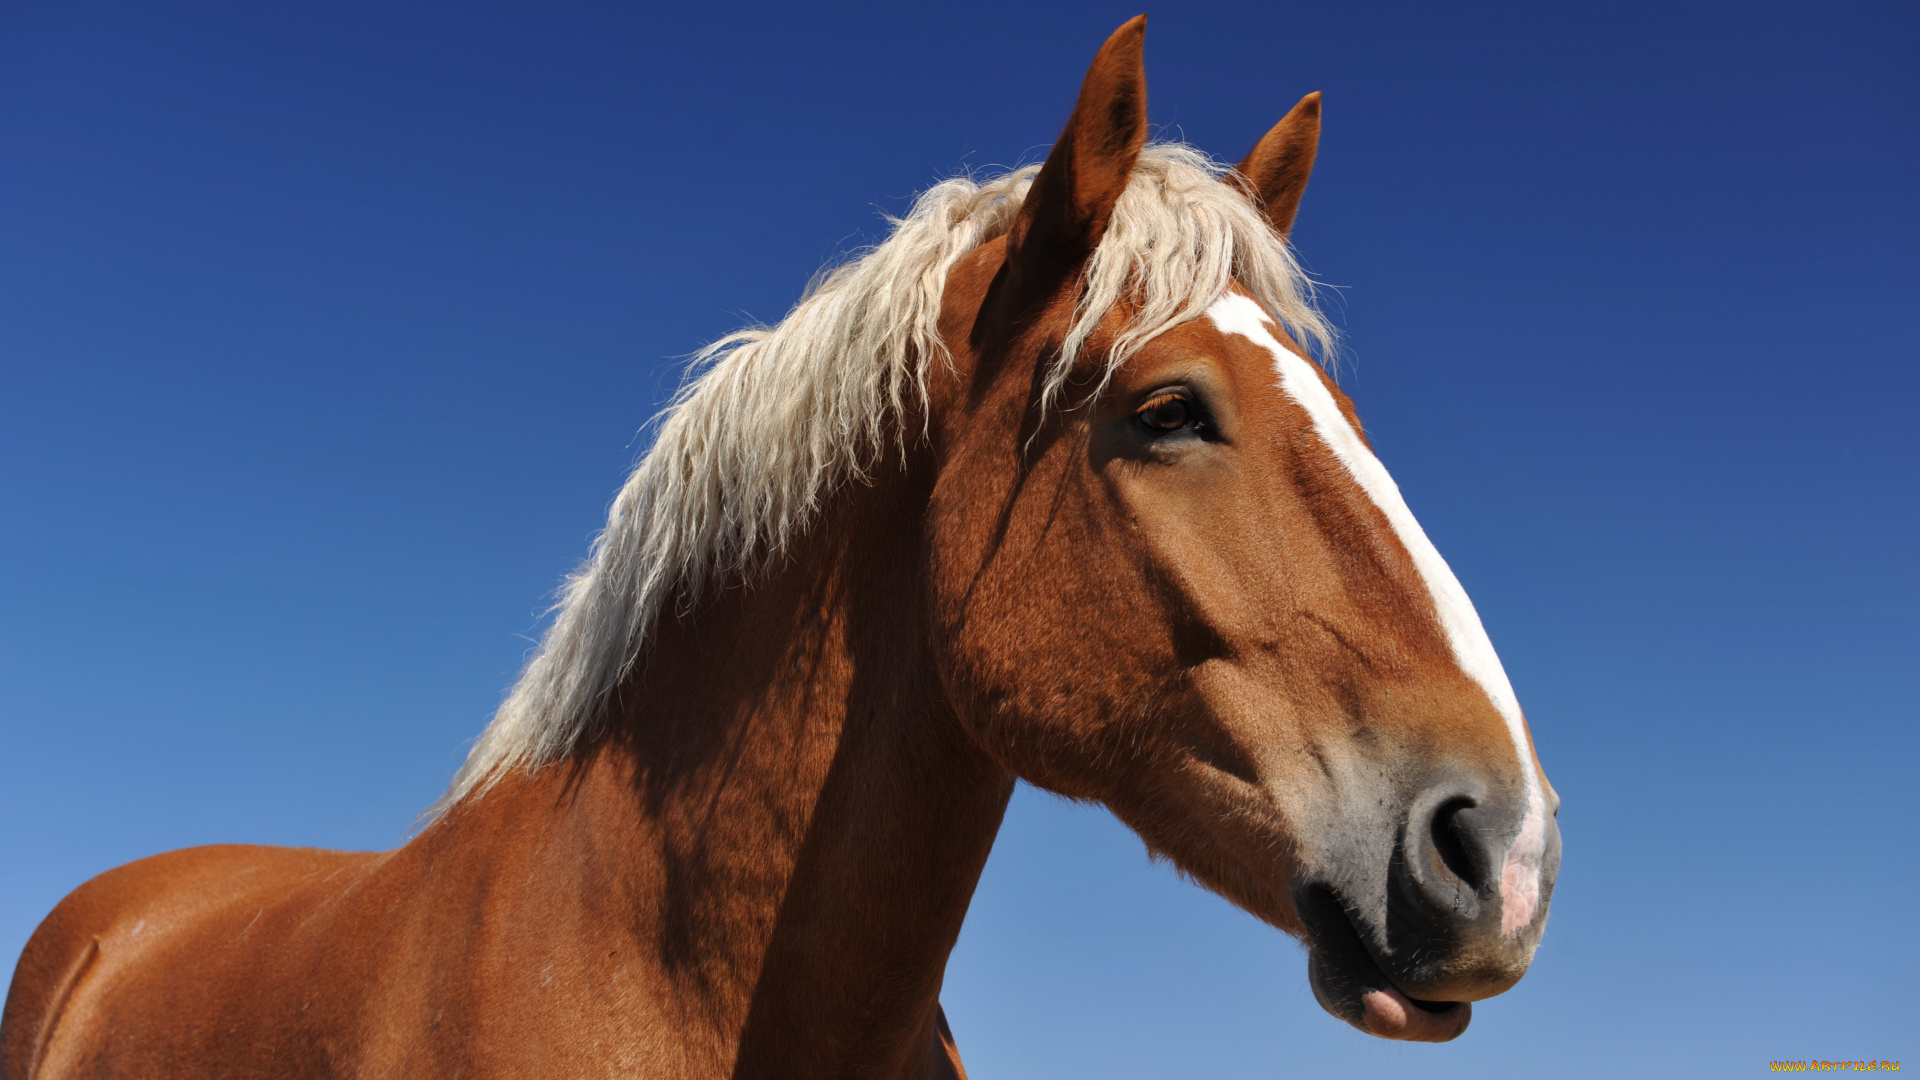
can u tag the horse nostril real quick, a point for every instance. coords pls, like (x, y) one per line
(1456, 846)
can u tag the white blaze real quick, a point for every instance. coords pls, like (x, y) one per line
(1235, 313)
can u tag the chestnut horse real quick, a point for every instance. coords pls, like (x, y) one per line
(1044, 487)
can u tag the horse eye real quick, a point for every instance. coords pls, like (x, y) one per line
(1166, 412)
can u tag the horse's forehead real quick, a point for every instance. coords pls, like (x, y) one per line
(1200, 338)
(1252, 365)
(1248, 365)
(1200, 332)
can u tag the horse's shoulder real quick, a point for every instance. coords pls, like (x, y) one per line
(109, 926)
(201, 881)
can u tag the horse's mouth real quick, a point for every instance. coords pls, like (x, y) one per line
(1350, 985)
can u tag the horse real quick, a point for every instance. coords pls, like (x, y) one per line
(1046, 486)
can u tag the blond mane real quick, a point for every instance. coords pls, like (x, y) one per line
(776, 419)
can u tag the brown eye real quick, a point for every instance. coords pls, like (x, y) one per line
(1166, 412)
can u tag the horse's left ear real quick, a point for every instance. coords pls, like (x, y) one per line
(1279, 166)
(1068, 207)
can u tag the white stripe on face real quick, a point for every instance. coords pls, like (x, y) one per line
(1235, 313)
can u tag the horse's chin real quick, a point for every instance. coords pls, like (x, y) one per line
(1351, 986)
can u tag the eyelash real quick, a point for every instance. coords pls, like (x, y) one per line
(1192, 417)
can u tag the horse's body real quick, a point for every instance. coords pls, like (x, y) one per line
(1144, 572)
(669, 905)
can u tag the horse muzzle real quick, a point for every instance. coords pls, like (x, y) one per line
(1449, 929)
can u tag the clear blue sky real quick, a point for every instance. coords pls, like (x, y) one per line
(326, 332)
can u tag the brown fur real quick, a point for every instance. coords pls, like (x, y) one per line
(761, 865)
(1280, 163)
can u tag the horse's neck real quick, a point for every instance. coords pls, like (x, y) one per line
(792, 818)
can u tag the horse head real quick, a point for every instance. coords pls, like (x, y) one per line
(1170, 576)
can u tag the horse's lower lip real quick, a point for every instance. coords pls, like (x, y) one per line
(1350, 985)
(1391, 1014)
(1368, 1000)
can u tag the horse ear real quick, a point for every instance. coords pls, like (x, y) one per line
(1280, 164)
(1071, 201)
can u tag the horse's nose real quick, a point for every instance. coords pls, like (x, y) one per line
(1447, 886)
(1451, 854)
(1442, 937)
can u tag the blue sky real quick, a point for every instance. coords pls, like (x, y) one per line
(326, 333)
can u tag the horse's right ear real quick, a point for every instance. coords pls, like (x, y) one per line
(1279, 166)
(1071, 201)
